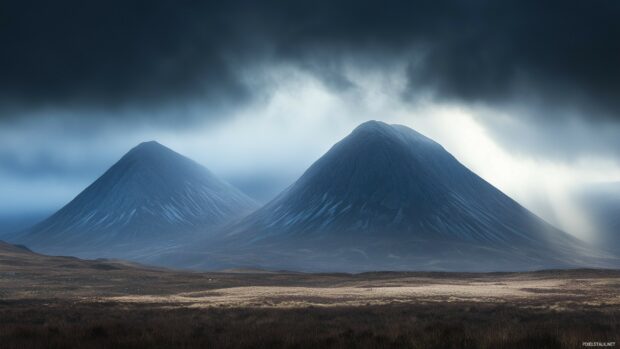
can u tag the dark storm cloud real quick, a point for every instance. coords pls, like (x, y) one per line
(112, 53)
(147, 53)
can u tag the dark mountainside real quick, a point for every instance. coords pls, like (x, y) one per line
(388, 198)
(151, 198)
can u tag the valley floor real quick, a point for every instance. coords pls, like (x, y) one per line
(59, 302)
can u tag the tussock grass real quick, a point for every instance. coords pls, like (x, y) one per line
(26, 324)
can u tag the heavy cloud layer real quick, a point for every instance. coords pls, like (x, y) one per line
(144, 54)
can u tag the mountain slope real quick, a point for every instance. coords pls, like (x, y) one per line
(386, 197)
(150, 197)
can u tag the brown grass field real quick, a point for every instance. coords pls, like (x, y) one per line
(62, 302)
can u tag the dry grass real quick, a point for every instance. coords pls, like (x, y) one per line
(58, 302)
(415, 325)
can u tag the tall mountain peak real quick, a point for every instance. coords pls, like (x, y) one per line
(387, 197)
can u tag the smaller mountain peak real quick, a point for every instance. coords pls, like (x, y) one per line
(150, 144)
(149, 147)
(151, 151)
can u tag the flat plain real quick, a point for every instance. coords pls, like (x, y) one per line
(64, 302)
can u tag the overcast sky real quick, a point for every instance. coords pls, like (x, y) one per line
(525, 93)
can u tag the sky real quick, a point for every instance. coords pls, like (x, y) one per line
(524, 93)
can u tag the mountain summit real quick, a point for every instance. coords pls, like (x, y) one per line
(151, 196)
(387, 197)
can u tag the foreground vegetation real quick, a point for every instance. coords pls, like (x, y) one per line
(27, 324)
(60, 302)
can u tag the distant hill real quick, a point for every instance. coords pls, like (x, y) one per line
(18, 259)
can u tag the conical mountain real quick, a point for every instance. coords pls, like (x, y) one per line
(150, 197)
(387, 197)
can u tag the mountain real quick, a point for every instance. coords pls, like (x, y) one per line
(601, 201)
(152, 197)
(387, 197)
